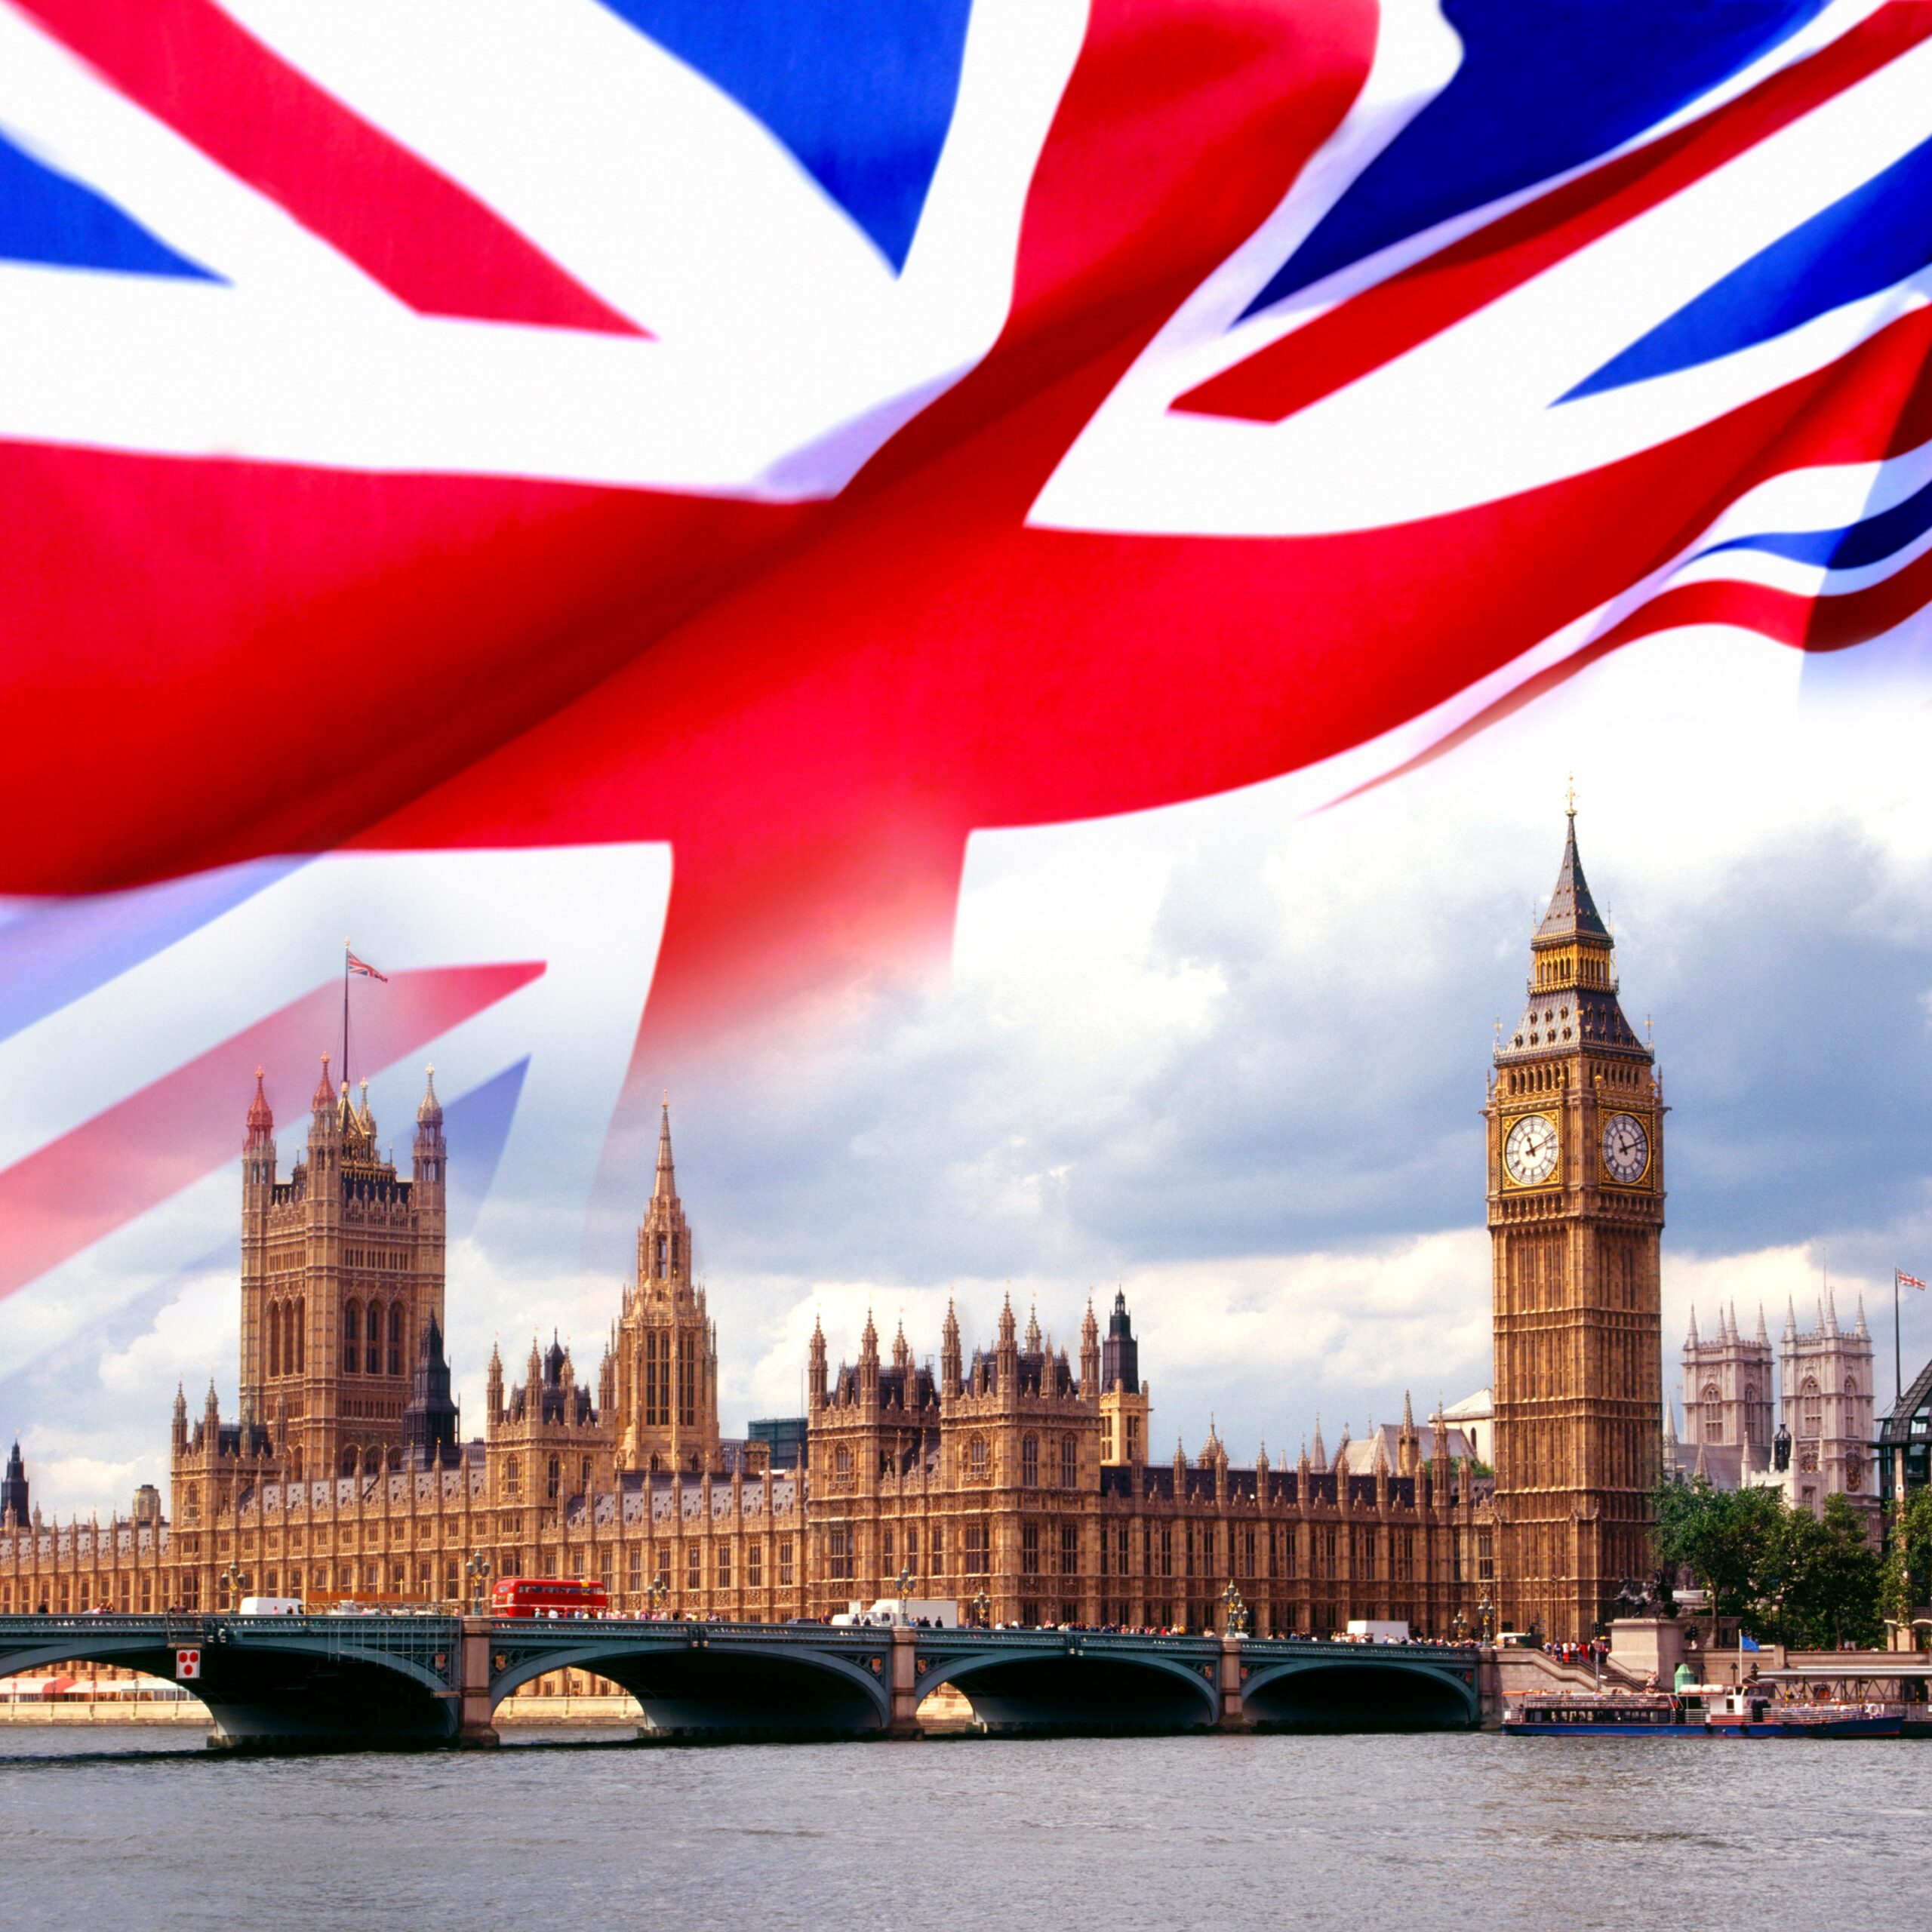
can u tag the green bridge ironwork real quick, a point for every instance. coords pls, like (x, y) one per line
(388, 1679)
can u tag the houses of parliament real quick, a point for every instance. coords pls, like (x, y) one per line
(1017, 1476)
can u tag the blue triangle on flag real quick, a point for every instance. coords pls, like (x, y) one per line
(1540, 90)
(861, 91)
(48, 217)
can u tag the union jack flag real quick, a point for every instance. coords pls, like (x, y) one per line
(351, 964)
(797, 435)
(1906, 1281)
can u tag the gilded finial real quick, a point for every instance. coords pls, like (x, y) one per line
(1570, 796)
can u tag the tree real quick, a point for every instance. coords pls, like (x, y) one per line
(1908, 1569)
(1824, 1584)
(1786, 1575)
(1727, 1537)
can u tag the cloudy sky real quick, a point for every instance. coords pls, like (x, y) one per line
(1230, 1055)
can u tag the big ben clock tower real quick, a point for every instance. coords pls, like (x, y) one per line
(1576, 1214)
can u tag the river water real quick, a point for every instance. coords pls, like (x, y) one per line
(120, 1828)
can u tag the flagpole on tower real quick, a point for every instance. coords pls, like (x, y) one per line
(346, 956)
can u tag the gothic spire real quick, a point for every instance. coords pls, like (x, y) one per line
(666, 1187)
(325, 1094)
(1573, 913)
(261, 1117)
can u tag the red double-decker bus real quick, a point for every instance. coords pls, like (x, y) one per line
(548, 1596)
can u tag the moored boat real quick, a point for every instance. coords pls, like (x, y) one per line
(1609, 1713)
(1700, 1711)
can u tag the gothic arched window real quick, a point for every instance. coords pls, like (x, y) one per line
(275, 1339)
(375, 1332)
(555, 1479)
(583, 1475)
(1750, 1412)
(297, 1346)
(352, 1333)
(1069, 1462)
(349, 1459)
(1030, 1461)
(842, 1463)
(1811, 1407)
(1713, 1429)
(395, 1338)
(513, 1476)
(976, 1456)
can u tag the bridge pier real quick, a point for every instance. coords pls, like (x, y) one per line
(902, 1674)
(1232, 1680)
(1489, 1687)
(475, 1712)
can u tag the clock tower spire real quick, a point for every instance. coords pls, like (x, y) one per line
(1576, 1216)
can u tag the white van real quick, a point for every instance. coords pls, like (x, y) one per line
(1379, 1629)
(940, 1613)
(271, 1606)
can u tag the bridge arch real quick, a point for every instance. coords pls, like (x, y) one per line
(1343, 1693)
(272, 1687)
(705, 1688)
(1077, 1687)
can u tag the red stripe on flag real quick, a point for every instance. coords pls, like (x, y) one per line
(74, 1190)
(1363, 334)
(428, 241)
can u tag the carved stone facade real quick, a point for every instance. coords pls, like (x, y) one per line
(993, 1482)
(342, 1267)
(1821, 1443)
(1012, 1480)
(1575, 1117)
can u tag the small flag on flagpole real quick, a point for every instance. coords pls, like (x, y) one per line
(363, 967)
(1906, 1281)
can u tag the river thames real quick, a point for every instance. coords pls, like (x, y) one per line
(115, 1827)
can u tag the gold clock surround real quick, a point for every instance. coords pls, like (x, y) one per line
(1642, 1183)
(1510, 1124)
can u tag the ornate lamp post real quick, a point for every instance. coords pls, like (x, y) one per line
(1460, 1626)
(235, 1579)
(654, 1595)
(1486, 1617)
(903, 1583)
(477, 1570)
(982, 1609)
(1233, 1611)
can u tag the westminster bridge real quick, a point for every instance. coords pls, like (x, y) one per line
(347, 1682)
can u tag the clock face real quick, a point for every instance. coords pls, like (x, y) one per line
(1626, 1148)
(1530, 1152)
